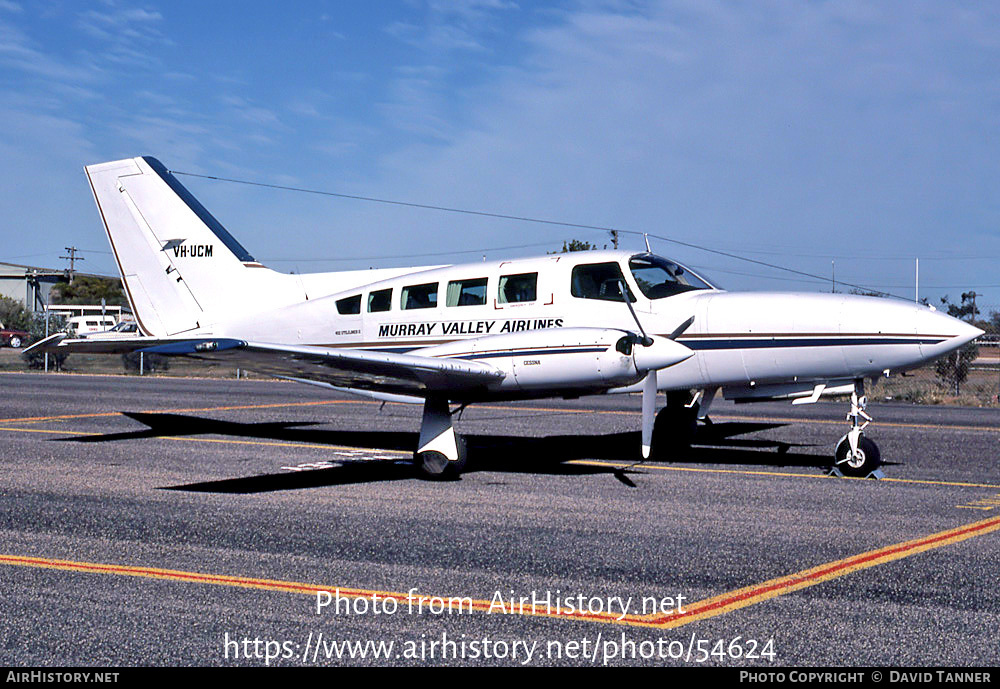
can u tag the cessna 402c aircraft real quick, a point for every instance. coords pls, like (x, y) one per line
(562, 325)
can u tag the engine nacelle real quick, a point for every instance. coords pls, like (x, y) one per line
(565, 357)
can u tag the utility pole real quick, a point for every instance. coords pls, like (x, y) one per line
(974, 310)
(72, 258)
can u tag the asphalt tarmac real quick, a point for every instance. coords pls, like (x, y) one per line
(192, 522)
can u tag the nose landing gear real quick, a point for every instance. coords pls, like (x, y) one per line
(856, 455)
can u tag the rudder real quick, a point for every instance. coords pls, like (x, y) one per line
(181, 269)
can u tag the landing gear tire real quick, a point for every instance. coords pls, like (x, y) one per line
(865, 461)
(433, 465)
(673, 431)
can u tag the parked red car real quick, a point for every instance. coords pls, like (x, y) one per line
(12, 337)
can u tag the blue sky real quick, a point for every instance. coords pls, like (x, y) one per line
(797, 133)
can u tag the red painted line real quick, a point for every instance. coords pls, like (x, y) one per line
(819, 574)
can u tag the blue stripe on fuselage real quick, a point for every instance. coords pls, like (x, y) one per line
(753, 343)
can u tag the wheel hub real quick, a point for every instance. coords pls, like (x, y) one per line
(857, 459)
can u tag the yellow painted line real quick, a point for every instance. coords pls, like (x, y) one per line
(45, 430)
(986, 504)
(886, 424)
(57, 431)
(700, 610)
(761, 419)
(758, 593)
(779, 474)
(281, 444)
(557, 410)
(93, 415)
(580, 462)
(640, 465)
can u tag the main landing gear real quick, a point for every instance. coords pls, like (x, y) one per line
(676, 424)
(440, 452)
(856, 455)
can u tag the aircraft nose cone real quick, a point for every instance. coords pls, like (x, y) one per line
(968, 332)
(944, 333)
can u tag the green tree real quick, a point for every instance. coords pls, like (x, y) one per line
(989, 324)
(151, 363)
(966, 309)
(953, 369)
(866, 292)
(575, 245)
(36, 327)
(89, 290)
(13, 314)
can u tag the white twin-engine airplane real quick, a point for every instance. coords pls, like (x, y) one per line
(562, 325)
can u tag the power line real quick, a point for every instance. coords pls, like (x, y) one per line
(871, 257)
(370, 258)
(14, 258)
(521, 218)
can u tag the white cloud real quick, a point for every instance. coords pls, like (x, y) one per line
(20, 52)
(737, 126)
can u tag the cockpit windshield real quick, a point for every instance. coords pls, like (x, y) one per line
(658, 278)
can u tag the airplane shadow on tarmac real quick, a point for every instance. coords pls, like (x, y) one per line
(714, 444)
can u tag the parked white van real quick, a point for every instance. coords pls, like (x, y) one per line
(124, 330)
(81, 325)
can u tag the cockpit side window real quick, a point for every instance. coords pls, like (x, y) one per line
(350, 305)
(599, 281)
(658, 278)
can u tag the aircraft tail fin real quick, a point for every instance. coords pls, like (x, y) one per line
(180, 268)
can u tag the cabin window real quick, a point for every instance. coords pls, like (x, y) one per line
(420, 296)
(518, 288)
(599, 281)
(350, 305)
(466, 292)
(380, 300)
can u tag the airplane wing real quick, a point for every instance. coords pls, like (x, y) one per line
(388, 372)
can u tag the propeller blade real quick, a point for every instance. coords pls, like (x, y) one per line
(623, 291)
(649, 386)
(679, 330)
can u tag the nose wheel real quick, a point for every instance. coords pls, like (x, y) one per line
(857, 455)
(859, 462)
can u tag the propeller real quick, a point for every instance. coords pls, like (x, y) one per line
(649, 388)
(656, 354)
